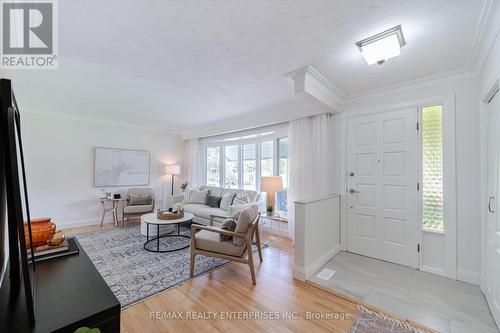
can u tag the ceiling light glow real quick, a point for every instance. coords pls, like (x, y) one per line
(380, 47)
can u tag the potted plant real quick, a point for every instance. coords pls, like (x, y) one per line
(184, 186)
(269, 210)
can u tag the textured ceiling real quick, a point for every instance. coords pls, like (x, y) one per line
(187, 64)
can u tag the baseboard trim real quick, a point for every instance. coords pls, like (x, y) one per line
(81, 223)
(433, 270)
(468, 276)
(305, 273)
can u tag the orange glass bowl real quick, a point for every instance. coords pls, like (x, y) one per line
(41, 230)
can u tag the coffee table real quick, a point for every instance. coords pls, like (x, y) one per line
(151, 219)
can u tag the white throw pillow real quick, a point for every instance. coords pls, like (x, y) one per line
(198, 197)
(241, 199)
(227, 200)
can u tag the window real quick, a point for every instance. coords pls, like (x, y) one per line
(282, 204)
(266, 159)
(249, 167)
(231, 174)
(240, 162)
(432, 167)
(213, 166)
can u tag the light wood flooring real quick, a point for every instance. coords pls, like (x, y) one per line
(228, 291)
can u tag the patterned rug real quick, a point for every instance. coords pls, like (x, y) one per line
(133, 273)
(369, 321)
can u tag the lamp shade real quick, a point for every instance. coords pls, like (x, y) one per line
(172, 169)
(271, 184)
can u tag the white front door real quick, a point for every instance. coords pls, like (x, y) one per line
(492, 260)
(382, 198)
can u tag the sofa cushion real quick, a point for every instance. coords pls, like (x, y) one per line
(192, 207)
(199, 197)
(137, 209)
(244, 221)
(205, 212)
(209, 241)
(216, 191)
(227, 199)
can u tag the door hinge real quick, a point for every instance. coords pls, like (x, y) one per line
(418, 186)
(418, 125)
(418, 248)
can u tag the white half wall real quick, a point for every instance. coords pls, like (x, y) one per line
(59, 156)
(317, 234)
(466, 95)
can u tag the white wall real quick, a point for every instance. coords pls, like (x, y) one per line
(466, 95)
(59, 162)
(317, 234)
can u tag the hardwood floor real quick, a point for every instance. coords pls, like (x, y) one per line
(228, 291)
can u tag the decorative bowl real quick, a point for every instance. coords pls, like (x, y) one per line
(41, 230)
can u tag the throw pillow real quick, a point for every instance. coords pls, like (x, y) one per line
(229, 225)
(227, 200)
(213, 201)
(244, 221)
(137, 199)
(241, 199)
(199, 197)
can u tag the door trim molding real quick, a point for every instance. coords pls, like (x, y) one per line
(449, 181)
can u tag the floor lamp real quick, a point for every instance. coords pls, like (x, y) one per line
(172, 169)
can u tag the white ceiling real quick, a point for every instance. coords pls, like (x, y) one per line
(186, 65)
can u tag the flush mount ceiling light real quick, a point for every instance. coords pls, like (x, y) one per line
(382, 46)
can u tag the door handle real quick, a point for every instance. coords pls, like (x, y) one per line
(489, 205)
(352, 191)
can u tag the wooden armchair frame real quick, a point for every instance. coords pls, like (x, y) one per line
(253, 229)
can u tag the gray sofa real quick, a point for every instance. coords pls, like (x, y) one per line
(202, 212)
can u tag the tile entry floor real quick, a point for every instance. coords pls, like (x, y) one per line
(437, 302)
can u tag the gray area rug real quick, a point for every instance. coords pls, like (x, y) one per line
(133, 273)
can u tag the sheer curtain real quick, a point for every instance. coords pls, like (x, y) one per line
(312, 172)
(192, 162)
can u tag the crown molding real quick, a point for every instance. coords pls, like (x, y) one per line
(315, 87)
(448, 77)
(476, 58)
(97, 121)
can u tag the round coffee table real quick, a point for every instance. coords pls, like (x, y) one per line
(151, 219)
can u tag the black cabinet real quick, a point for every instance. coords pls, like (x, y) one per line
(69, 293)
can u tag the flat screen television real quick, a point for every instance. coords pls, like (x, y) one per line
(17, 272)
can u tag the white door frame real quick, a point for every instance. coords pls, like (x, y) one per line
(449, 164)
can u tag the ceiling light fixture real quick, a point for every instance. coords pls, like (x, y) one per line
(382, 46)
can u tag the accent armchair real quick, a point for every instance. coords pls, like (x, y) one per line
(140, 201)
(205, 240)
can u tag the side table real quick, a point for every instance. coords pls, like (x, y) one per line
(113, 208)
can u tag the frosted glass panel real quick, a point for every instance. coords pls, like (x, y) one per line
(432, 167)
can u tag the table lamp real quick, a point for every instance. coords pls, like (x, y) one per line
(271, 185)
(173, 169)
